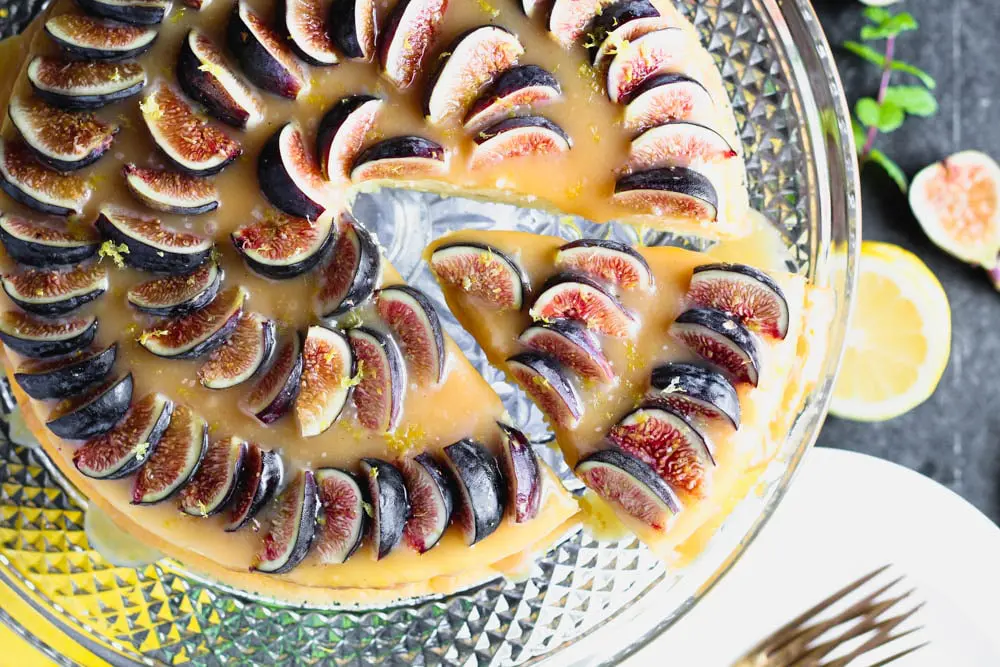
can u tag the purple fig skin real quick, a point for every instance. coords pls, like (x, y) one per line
(702, 293)
(615, 16)
(285, 397)
(343, 23)
(663, 502)
(621, 252)
(43, 302)
(401, 148)
(209, 343)
(367, 273)
(325, 55)
(308, 509)
(554, 378)
(41, 346)
(199, 85)
(522, 86)
(21, 118)
(679, 182)
(197, 302)
(385, 384)
(99, 415)
(520, 470)
(694, 390)
(26, 243)
(131, 459)
(653, 82)
(134, 14)
(392, 506)
(277, 183)
(480, 488)
(580, 350)
(142, 39)
(723, 327)
(71, 99)
(260, 478)
(424, 465)
(146, 257)
(69, 378)
(433, 367)
(257, 62)
(331, 125)
(543, 124)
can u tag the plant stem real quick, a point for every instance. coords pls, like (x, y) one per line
(883, 86)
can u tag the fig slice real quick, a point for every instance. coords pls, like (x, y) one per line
(354, 26)
(743, 291)
(289, 175)
(305, 25)
(474, 60)
(669, 191)
(606, 260)
(64, 377)
(206, 77)
(695, 392)
(631, 485)
(93, 413)
(61, 140)
(242, 355)
(522, 136)
(45, 244)
(390, 504)
(276, 390)
(342, 518)
(193, 145)
(352, 273)
(677, 143)
(523, 87)
(283, 247)
(480, 502)
(618, 25)
(409, 38)
(172, 296)
(546, 383)
(378, 397)
(84, 84)
(342, 133)
(573, 345)
(171, 192)
(214, 484)
(134, 12)
(122, 450)
(664, 98)
(536, 8)
(52, 293)
(151, 246)
(328, 379)
(198, 333)
(89, 38)
(721, 340)
(429, 493)
(568, 19)
(404, 158)
(260, 478)
(577, 297)
(26, 181)
(483, 272)
(414, 322)
(520, 470)
(264, 56)
(32, 336)
(654, 53)
(175, 459)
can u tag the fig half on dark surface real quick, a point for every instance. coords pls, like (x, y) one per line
(378, 397)
(84, 84)
(305, 26)
(480, 500)
(431, 503)
(65, 376)
(483, 272)
(206, 76)
(283, 246)
(151, 246)
(174, 460)
(47, 245)
(354, 27)
(172, 296)
(198, 333)
(630, 485)
(522, 473)
(522, 87)
(289, 175)
(414, 322)
(521, 136)
(352, 273)
(260, 478)
(403, 158)
(293, 526)
(61, 140)
(90, 38)
(27, 181)
(136, 12)
(720, 340)
(546, 382)
(390, 504)
(576, 297)
(573, 345)
(328, 379)
(122, 450)
(343, 521)
(409, 38)
(694, 391)
(264, 56)
(244, 353)
(669, 191)
(343, 131)
(171, 192)
(93, 413)
(747, 293)
(275, 391)
(32, 336)
(52, 292)
(606, 260)
(214, 484)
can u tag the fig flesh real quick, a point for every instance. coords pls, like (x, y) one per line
(64, 377)
(390, 504)
(266, 58)
(27, 181)
(53, 293)
(289, 175)
(354, 26)
(414, 322)
(61, 140)
(480, 493)
(274, 393)
(260, 478)
(352, 273)
(520, 469)
(343, 521)
(134, 12)
(721, 340)
(744, 292)
(482, 272)
(522, 136)
(576, 297)
(283, 247)
(654, 53)
(122, 450)
(293, 527)
(206, 77)
(242, 355)
(174, 460)
(568, 19)
(619, 24)
(677, 143)
(429, 493)
(669, 191)
(173, 296)
(407, 42)
(695, 392)
(378, 397)
(631, 485)
(171, 192)
(89, 38)
(214, 484)
(523, 87)
(46, 245)
(193, 145)
(84, 84)
(665, 98)
(546, 383)
(93, 413)
(305, 26)
(606, 260)
(404, 158)
(573, 345)
(198, 333)
(535, 8)
(150, 245)
(328, 379)
(32, 336)
(342, 134)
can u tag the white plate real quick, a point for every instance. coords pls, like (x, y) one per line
(845, 515)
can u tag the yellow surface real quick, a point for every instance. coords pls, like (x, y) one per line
(18, 651)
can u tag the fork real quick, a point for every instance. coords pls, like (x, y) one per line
(793, 643)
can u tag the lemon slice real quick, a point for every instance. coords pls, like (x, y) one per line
(899, 341)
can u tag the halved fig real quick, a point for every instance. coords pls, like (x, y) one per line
(136, 12)
(45, 292)
(526, 86)
(28, 182)
(328, 379)
(264, 56)
(414, 322)
(573, 345)
(343, 521)
(405, 158)
(669, 191)
(244, 353)
(175, 459)
(522, 136)
(431, 503)
(200, 332)
(568, 19)
(170, 191)
(206, 76)
(64, 377)
(342, 134)
(289, 175)
(46, 245)
(535, 8)
(90, 38)
(84, 84)
(610, 261)
(483, 272)
(352, 273)
(721, 340)
(694, 391)
(151, 245)
(631, 485)
(293, 526)
(474, 59)
(276, 390)
(32, 336)
(195, 146)
(172, 296)
(520, 470)
(215, 483)
(677, 143)
(577, 297)
(378, 397)
(390, 505)
(260, 478)
(480, 506)
(97, 411)
(619, 24)
(545, 381)
(60, 139)
(406, 43)
(635, 62)
(664, 98)
(743, 291)
(122, 450)
(282, 246)
(305, 25)
(354, 26)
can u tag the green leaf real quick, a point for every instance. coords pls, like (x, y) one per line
(877, 15)
(866, 52)
(860, 134)
(900, 66)
(890, 167)
(891, 116)
(867, 111)
(915, 100)
(890, 27)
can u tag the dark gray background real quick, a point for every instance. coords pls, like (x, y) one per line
(955, 436)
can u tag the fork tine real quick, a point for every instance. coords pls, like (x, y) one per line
(897, 656)
(881, 635)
